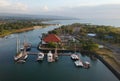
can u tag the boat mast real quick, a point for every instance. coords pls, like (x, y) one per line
(18, 44)
(24, 44)
(24, 39)
(56, 50)
(75, 46)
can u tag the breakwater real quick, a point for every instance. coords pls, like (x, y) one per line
(115, 72)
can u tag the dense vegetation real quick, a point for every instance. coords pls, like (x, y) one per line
(9, 27)
(104, 33)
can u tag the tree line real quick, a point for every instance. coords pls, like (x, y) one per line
(8, 27)
(104, 33)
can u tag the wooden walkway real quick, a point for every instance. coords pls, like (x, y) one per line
(64, 54)
(59, 54)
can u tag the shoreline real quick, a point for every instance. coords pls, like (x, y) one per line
(111, 67)
(108, 65)
(22, 30)
(109, 57)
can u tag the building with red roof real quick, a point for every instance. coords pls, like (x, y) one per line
(51, 38)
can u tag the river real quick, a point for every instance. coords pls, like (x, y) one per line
(62, 70)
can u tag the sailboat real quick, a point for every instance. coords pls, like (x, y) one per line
(27, 45)
(21, 55)
(55, 55)
(18, 54)
(75, 56)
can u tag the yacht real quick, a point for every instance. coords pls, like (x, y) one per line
(21, 61)
(28, 48)
(25, 57)
(74, 57)
(18, 56)
(86, 65)
(40, 56)
(21, 53)
(50, 57)
(78, 63)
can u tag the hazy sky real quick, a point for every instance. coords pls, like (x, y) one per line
(72, 8)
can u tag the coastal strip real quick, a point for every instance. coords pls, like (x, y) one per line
(22, 30)
(114, 71)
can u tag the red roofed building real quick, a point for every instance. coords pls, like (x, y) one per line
(51, 38)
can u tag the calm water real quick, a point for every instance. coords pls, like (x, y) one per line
(63, 70)
(107, 22)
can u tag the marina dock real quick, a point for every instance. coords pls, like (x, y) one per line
(52, 54)
(59, 54)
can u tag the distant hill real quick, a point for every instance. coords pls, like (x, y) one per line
(27, 16)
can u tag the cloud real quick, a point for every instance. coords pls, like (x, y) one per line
(40, 10)
(82, 11)
(4, 3)
(45, 8)
(99, 11)
(20, 6)
(6, 6)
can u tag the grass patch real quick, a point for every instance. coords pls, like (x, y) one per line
(109, 57)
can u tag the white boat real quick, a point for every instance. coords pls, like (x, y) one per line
(78, 63)
(18, 56)
(25, 57)
(74, 57)
(86, 64)
(50, 57)
(21, 53)
(40, 56)
(21, 61)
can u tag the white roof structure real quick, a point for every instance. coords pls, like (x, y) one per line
(91, 34)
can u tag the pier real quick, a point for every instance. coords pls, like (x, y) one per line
(59, 54)
(46, 50)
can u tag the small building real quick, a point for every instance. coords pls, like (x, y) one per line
(109, 36)
(100, 46)
(51, 38)
(91, 34)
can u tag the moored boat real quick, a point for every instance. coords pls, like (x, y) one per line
(50, 57)
(18, 56)
(25, 57)
(86, 65)
(55, 55)
(21, 52)
(74, 57)
(28, 48)
(78, 63)
(21, 61)
(40, 56)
